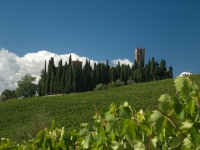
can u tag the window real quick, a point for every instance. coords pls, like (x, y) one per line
(140, 54)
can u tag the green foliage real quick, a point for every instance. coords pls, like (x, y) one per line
(3, 98)
(26, 88)
(100, 87)
(70, 109)
(121, 127)
(77, 78)
(40, 120)
(130, 81)
(7, 94)
(119, 82)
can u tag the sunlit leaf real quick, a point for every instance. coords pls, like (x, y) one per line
(84, 132)
(138, 145)
(86, 141)
(186, 125)
(179, 83)
(157, 120)
(165, 102)
(190, 107)
(115, 145)
(187, 142)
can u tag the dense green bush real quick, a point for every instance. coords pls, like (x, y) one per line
(100, 87)
(3, 98)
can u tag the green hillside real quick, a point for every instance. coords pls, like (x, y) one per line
(72, 109)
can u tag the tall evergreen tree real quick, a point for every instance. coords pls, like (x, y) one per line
(107, 80)
(152, 68)
(163, 70)
(170, 72)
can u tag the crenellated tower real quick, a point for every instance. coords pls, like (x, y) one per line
(140, 55)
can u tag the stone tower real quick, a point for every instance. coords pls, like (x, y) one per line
(140, 55)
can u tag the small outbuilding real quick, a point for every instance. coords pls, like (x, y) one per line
(184, 74)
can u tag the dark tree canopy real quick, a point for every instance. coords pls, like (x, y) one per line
(69, 78)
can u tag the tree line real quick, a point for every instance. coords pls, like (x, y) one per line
(26, 88)
(69, 78)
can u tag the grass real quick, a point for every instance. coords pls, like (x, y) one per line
(72, 109)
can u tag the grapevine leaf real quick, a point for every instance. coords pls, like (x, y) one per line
(117, 128)
(130, 131)
(110, 122)
(187, 142)
(179, 83)
(110, 118)
(194, 135)
(140, 116)
(112, 107)
(165, 102)
(4, 146)
(169, 128)
(186, 88)
(154, 142)
(101, 130)
(123, 125)
(40, 138)
(157, 121)
(84, 124)
(125, 112)
(146, 124)
(86, 141)
(138, 145)
(126, 104)
(84, 132)
(176, 141)
(179, 110)
(190, 107)
(96, 125)
(186, 126)
(115, 145)
(104, 112)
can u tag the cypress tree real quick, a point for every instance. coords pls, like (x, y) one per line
(107, 80)
(52, 84)
(162, 74)
(135, 65)
(170, 72)
(152, 68)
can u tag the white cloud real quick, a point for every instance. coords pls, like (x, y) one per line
(13, 67)
(125, 61)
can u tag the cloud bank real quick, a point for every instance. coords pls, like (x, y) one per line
(13, 67)
(125, 61)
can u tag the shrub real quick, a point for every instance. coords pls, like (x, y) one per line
(119, 82)
(130, 82)
(100, 87)
(112, 85)
(3, 98)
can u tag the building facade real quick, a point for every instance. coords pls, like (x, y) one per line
(140, 55)
(76, 63)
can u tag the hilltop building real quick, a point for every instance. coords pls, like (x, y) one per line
(140, 55)
(76, 63)
(184, 74)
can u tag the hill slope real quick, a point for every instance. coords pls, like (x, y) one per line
(72, 109)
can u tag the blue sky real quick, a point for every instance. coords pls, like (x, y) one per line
(104, 29)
